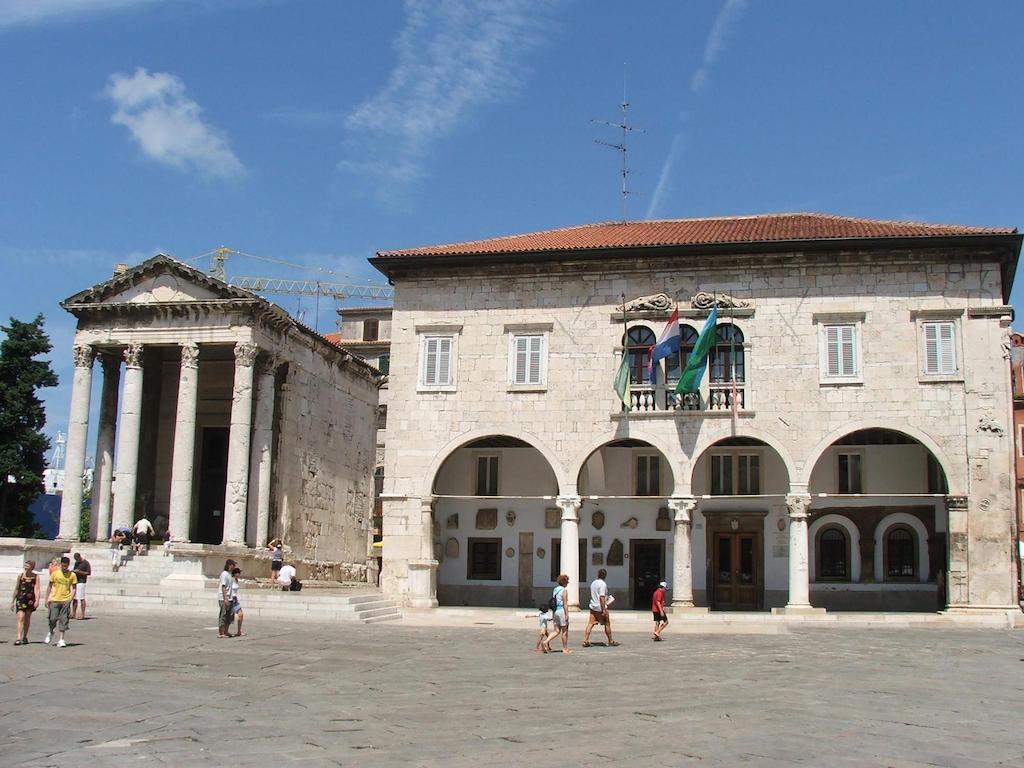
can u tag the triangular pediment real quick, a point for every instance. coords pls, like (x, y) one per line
(159, 280)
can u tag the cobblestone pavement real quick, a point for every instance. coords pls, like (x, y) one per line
(164, 690)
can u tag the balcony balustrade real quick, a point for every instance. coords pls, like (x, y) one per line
(651, 397)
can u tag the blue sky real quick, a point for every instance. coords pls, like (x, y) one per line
(319, 131)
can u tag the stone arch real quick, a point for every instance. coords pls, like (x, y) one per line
(922, 437)
(851, 530)
(708, 441)
(581, 458)
(902, 518)
(427, 489)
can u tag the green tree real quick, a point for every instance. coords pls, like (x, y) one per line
(22, 444)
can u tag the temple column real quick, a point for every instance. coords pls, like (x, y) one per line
(683, 508)
(262, 445)
(78, 432)
(423, 572)
(239, 439)
(799, 573)
(570, 565)
(126, 471)
(183, 457)
(103, 475)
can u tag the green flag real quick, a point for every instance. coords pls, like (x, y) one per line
(622, 380)
(692, 374)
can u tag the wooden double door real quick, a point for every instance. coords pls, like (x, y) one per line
(736, 571)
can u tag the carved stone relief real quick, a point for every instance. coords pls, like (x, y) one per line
(705, 300)
(664, 522)
(451, 549)
(631, 523)
(597, 558)
(452, 521)
(595, 542)
(597, 520)
(486, 519)
(615, 553)
(658, 302)
(510, 517)
(552, 517)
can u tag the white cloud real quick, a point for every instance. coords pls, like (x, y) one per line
(664, 185)
(168, 125)
(727, 17)
(453, 57)
(31, 11)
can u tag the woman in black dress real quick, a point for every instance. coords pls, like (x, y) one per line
(26, 598)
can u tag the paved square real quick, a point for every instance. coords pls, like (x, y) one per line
(164, 690)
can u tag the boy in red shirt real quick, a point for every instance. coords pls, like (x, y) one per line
(658, 609)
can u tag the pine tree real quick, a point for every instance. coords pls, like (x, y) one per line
(22, 444)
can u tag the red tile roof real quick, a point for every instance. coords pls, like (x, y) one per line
(336, 338)
(770, 227)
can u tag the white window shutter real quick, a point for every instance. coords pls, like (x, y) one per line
(848, 355)
(947, 348)
(444, 361)
(931, 348)
(832, 350)
(430, 361)
(521, 352)
(535, 344)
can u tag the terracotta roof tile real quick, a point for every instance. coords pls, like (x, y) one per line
(771, 227)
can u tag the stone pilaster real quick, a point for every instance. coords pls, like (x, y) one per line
(682, 508)
(78, 431)
(239, 440)
(423, 572)
(262, 445)
(129, 430)
(799, 568)
(958, 593)
(103, 474)
(183, 457)
(570, 566)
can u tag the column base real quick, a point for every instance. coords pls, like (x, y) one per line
(684, 608)
(422, 584)
(798, 610)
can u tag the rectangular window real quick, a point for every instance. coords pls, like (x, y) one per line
(437, 361)
(735, 474)
(384, 363)
(648, 475)
(486, 475)
(527, 363)
(382, 417)
(721, 475)
(484, 560)
(748, 477)
(849, 473)
(939, 349)
(841, 351)
(556, 560)
(370, 330)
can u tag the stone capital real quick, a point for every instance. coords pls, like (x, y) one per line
(189, 355)
(956, 503)
(682, 508)
(84, 355)
(267, 365)
(798, 505)
(245, 354)
(427, 505)
(570, 506)
(133, 355)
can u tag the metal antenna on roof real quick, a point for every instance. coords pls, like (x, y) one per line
(621, 147)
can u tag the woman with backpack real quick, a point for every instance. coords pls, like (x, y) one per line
(560, 604)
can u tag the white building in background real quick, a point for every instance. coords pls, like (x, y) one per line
(849, 448)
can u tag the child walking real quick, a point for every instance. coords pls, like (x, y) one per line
(543, 620)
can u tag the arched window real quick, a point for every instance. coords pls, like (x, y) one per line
(833, 555)
(674, 364)
(638, 343)
(900, 554)
(727, 354)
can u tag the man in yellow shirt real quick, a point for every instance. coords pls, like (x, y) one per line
(58, 600)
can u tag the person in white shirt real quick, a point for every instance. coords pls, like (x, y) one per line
(286, 578)
(599, 602)
(143, 532)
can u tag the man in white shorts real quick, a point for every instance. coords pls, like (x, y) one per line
(82, 571)
(286, 578)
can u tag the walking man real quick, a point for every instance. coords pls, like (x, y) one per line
(224, 601)
(599, 602)
(658, 609)
(58, 600)
(82, 572)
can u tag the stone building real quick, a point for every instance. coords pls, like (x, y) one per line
(221, 418)
(849, 448)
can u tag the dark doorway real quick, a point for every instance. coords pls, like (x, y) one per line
(213, 480)
(736, 571)
(646, 570)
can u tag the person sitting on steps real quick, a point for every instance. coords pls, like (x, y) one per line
(286, 578)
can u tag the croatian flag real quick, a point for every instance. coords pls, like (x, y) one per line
(668, 342)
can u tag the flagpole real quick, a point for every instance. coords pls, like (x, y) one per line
(732, 358)
(625, 355)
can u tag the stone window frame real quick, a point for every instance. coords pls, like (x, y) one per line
(371, 329)
(477, 456)
(848, 576)
(471, 543)
(639, 454)
(517, 330)
(859, 452)
(915, 576)
(826, 320)
(427, 332)
(926, 317)
(733, 454)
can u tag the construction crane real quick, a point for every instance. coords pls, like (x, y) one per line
(288, 287)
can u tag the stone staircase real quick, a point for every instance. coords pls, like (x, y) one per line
(155, 582)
